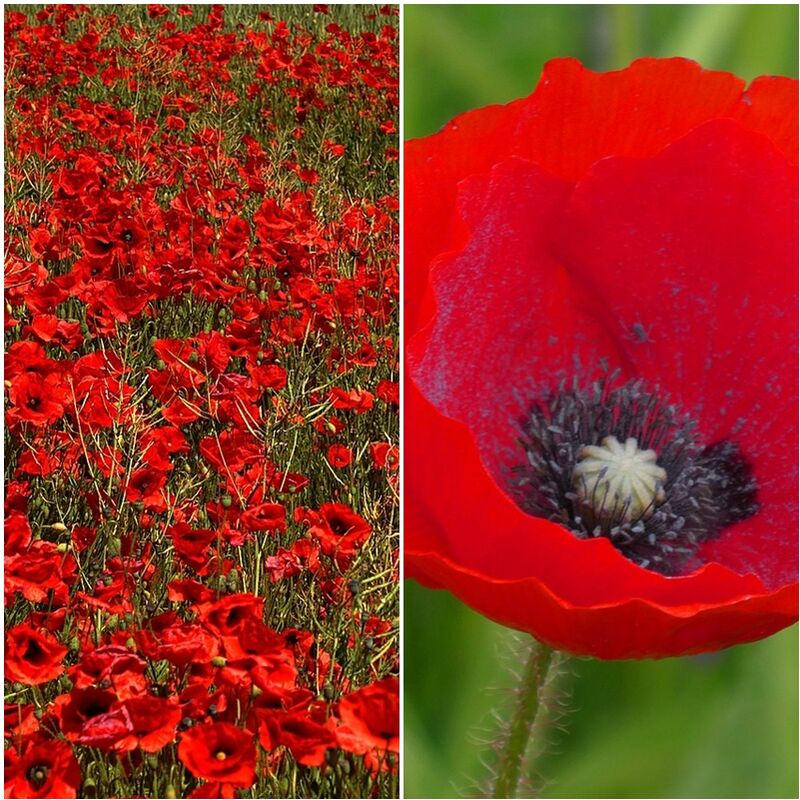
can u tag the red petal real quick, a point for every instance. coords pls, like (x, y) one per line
(769, 106)
(574, 118)
(633, 628)
(693, 258)
(505, 308)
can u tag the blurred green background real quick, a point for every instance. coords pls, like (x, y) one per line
(462, 57)
(724, 725)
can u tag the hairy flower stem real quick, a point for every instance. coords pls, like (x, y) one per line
(527, 706)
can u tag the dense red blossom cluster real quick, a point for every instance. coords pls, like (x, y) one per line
(201, 382)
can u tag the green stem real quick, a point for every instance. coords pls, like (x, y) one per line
(527, 706)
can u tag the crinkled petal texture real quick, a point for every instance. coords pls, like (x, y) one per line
(643, 220)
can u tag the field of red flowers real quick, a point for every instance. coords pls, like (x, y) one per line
(201, 511)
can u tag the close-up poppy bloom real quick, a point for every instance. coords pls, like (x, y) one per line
(219, 752)
(602, 325)
(600, 389)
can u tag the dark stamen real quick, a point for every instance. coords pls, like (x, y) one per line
(707, 487)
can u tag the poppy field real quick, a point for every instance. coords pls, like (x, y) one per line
(201, 376)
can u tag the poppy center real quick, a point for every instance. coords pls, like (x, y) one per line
(627, 464)
(37, 775)
(34, 652)
(221, 755)
(618, 481)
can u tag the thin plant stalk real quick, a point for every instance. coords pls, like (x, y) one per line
(528, 704)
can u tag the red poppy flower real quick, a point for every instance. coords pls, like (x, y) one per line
(45, 768)
(358, 400)
(120, 669)
(306, 738)
(193, 545)
(228, 614)
(177, 642)
(339, 456)
(339, 530)
(602, 323)
(219, 752)
(32, 656)
(153, 722)
(265, 517)
(39, 570)
(91, 716)
(384, 455)
(371, 718)
(36, 399)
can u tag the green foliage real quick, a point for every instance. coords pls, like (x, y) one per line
(722, 725)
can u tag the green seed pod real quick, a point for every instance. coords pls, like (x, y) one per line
(329, 691)
(114, 545)
(226, 501)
